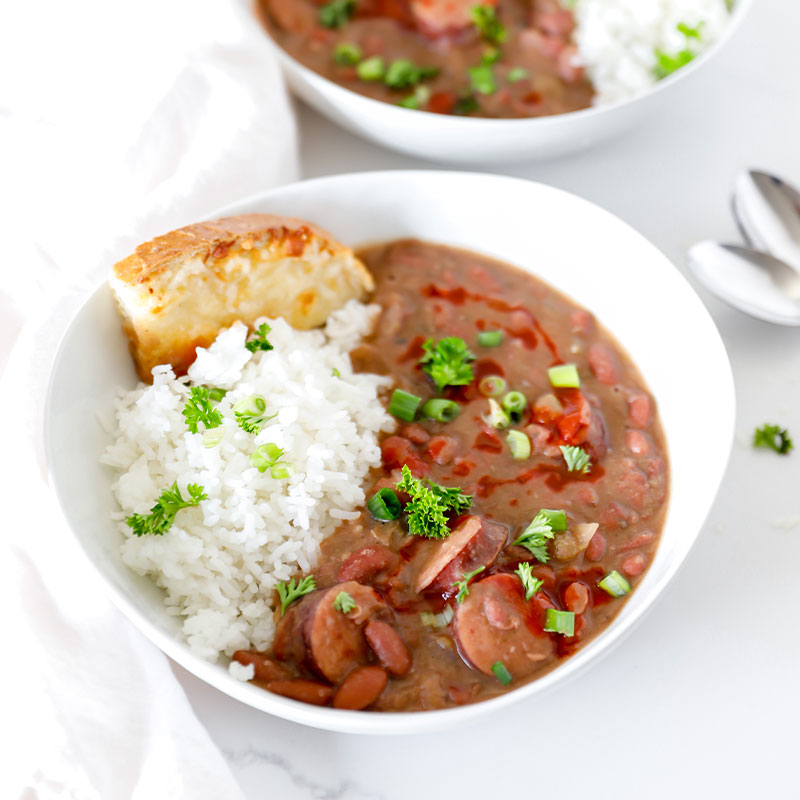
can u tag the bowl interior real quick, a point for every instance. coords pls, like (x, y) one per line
(575, 246)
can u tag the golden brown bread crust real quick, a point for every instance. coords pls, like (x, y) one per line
(176, 292)
(212, 240)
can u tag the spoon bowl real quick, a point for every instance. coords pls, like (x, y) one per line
(753, 282)
(767, 211)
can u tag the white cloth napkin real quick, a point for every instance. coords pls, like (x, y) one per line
(120, 120)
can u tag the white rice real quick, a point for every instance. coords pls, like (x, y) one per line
(618, 39)
(220, 561)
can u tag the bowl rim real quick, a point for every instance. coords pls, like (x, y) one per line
(737, 16)
(403, 722)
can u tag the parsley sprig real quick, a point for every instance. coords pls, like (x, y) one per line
(463, 584)
(258, 340)
(429, 504)
(344, 602)
(529, 582)
(536, 536)
(198, 407)
(291, 591)
(773, 437)
(336, 13)
(667, 63)
(484, 17)
(448, 362)
(162, 514)
(576, 458)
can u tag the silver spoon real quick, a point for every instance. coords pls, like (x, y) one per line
(757, 283)
(767, 210)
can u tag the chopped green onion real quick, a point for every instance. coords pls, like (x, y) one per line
(280, 471)
(403, 74)
(344, 602)
(555, 518)
(497, 417)
(404, 405)
(557, 621)
(490, 338)
(415, 101)
(519, 444)
(335, 373)
(615, 584)
(372, 69)
(441, 410)
(481, 79)
(347, 54)
(265, 456)
(216, 394)
(564, 376)
(576, 458)
(516, 74)
(252, 406)
(384, 505)
(213, 436)
(437, 620)
(490, 56)
(491, 385)
(514, 404)
(501, 673)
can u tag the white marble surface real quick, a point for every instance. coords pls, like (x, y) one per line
(701, 699)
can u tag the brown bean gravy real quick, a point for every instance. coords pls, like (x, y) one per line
(526, 67)
(411, 642)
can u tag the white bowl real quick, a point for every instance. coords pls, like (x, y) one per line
(574, 245)
(469, 140)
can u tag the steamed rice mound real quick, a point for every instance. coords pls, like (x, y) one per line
(220, 561)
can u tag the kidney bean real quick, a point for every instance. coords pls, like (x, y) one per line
(640, 540)
(265, 668)
(576, 597)
(582, 321)
(555, 23)
(314, 692)
(639, 409)
(416, 433)
(397, 451)
(637, 443)
(596, 548)
(388, 647)
(361, 688)
(633, 565)
(365, 563)
(586, 494)
(603, 364)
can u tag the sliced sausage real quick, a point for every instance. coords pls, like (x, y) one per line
(365, 563)
(265, 669)
(388, 646)
(361, 688)
(314, 692)
(495, 623)
(438, 17)
(474, 543)
(334, 640)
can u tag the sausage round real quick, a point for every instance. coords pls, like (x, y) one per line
(495, 623)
